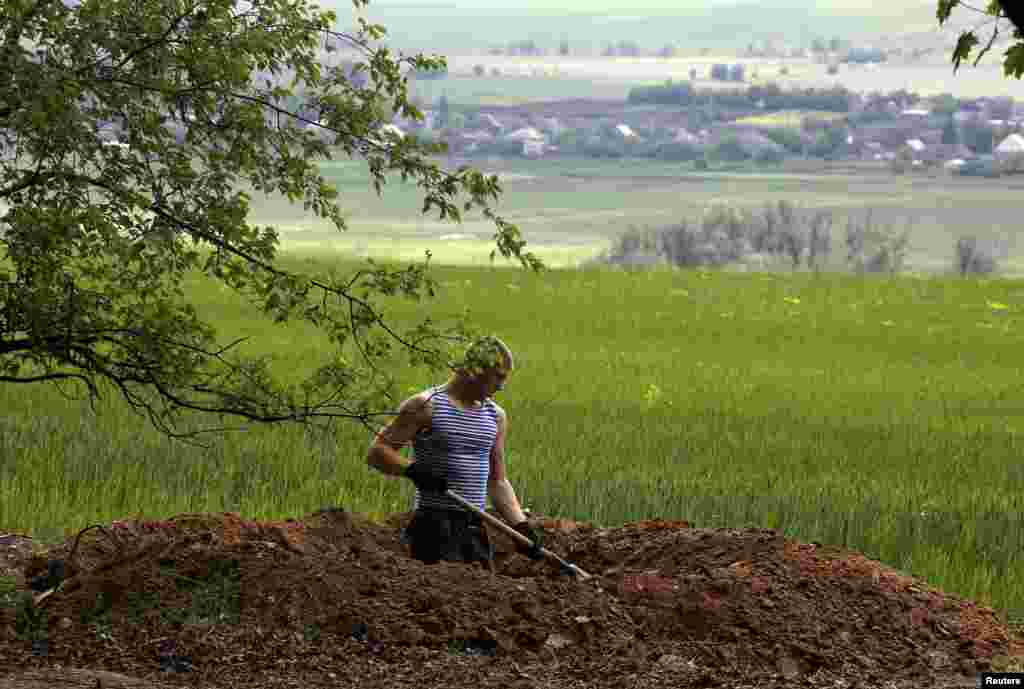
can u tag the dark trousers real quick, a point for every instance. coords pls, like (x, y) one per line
(455, 536)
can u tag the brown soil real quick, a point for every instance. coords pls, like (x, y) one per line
(671, 606)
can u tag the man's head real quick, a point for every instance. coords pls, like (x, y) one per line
(485, 367)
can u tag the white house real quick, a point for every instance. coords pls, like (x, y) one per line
(525, 134)
(626, 132)
(533, 148)
(490, 121)
(682, 136)
(916, 145)
(1011, 145)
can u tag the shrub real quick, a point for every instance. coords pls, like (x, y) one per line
(977, 136)
(679, 151)
(973, 258)
(479, 70)
(786, 137)
(873, 249)
(768, 156)
(729, 150)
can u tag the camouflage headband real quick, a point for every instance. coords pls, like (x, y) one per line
(486, 353)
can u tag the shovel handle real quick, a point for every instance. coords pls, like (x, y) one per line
(513, 534)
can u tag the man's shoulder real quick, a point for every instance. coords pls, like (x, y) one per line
(420, 402)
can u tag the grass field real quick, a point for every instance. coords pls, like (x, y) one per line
(880, 414)
(788, 118)
(570, 209)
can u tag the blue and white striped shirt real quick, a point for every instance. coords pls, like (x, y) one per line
(459, 447)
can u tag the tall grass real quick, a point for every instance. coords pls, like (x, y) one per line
(879, 413)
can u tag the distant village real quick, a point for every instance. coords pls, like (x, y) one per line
(978, 136)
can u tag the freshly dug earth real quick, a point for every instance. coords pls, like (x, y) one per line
(335, 600)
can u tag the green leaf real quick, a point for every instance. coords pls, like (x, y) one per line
(964, 45)
(944, 10)
(1013, 63)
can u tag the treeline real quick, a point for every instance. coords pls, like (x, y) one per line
(768, 97)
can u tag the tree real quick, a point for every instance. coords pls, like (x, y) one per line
(818, 45)
(950, 135)
(97, 240)
(563, 47)
(835, 44)
(442, 111)
(1013, 58)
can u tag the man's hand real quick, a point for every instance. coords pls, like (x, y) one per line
(425, 478)
(532, 552)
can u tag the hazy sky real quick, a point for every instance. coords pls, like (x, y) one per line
(454, 24)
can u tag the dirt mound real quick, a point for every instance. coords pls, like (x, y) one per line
(217, 601)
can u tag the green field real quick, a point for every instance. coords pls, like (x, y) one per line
(879, 414)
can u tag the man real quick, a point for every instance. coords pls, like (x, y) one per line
(458, 436)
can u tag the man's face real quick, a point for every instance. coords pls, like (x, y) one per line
(493, 380)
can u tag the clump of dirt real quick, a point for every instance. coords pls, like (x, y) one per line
(215, 601)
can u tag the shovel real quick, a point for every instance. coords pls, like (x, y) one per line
(515, 535)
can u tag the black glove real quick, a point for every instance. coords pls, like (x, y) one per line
(533, 552)
(425, 478)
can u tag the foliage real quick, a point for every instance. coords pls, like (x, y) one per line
(968, 41)
(978, 136)
(786, 137)
(729, 149)
(97, 239)
(950, 133)
(865, 55)
(431, 73)
(771, 96)
(679, 150)
(945, 104)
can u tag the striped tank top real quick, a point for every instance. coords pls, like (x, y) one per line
(458, 446)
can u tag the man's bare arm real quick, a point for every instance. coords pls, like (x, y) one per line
(498, 487)
(384, 455)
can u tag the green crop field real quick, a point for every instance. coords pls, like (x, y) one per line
(880, 414)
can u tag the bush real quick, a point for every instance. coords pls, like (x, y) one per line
(974, 258)
(786, 137)
(679, 151)
(977, 136)
(729, 150)
(726, 235)
(505, 148)
(479, 70)
(873, 249)
(768, 156)
(597, 147)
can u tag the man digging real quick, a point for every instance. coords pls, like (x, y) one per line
(458, 436)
